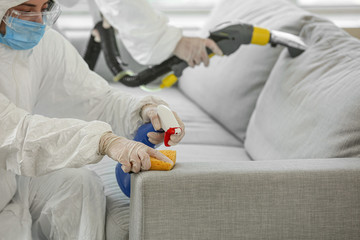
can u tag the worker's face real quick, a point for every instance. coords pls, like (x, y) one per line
(35, 6)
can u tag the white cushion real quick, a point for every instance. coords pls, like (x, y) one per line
(229, 87)
(310, 106)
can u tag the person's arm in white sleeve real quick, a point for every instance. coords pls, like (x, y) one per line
(148, 37)
(35, 145)
(70, 89)
(144, 31)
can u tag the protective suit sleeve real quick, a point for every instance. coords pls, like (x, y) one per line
(70, 89)
(143, 30)
(34, 145)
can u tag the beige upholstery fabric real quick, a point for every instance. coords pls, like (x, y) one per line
(229, 87)
(310, 106)
(253, 200)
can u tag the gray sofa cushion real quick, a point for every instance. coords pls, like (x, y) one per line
(310, 106)
(229, 87)
(200, 128)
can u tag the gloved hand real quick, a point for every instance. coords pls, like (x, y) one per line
(149, 114)
(134, 156)
(193, 50)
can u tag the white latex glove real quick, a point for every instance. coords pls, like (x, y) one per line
(149, 114)
(134, 156)
(193, 50)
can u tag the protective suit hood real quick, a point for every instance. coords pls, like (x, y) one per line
(6, 4)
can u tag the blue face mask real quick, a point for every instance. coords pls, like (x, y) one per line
(26, 36)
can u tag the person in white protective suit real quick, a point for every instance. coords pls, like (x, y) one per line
(147, 36)
(56, 116)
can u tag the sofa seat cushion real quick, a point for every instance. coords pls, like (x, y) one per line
(310, 106)
(200, 128)
(117, 204)
(209, 153)
(229, 87)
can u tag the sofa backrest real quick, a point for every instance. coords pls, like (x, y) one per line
(310, 105)
(229, 87)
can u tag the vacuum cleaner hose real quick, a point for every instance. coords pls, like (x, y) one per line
(113, 61)
(148, 75)
(229, 39)
(92, 52)
(109, 46)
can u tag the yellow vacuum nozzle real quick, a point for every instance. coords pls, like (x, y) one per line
(261, 36)
(168, 81)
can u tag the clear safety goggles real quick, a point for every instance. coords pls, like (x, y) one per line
(47, 17)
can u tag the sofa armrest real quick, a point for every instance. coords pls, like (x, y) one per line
(282, 199)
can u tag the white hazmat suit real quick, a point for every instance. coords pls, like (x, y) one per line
(144, 31)
(54, 81)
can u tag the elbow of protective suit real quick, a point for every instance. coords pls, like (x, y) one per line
(52, 144)
(155, 49)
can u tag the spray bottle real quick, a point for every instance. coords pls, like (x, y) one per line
(169, 125)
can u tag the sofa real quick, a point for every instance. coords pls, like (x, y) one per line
(272, 143)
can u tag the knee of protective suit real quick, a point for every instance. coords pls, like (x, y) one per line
(81, 178)
(80, 198)
(81, 184)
